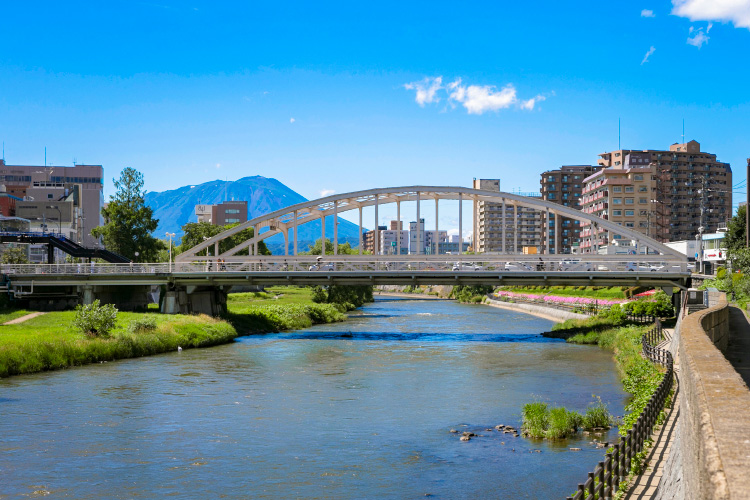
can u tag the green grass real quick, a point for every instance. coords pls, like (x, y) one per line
(50, 342)
(640, 377)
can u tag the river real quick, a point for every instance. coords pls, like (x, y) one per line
(361, 409)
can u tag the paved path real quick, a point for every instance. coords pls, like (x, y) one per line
(738, 350)
(24, 318)
(644, 486)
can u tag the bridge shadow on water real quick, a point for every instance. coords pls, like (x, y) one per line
(421, 337)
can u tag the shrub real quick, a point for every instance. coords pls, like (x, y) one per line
(562, 422)
(141, 325)
(535, 418)
(597, 415)
(94, 319)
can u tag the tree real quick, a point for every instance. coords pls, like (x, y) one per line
(197, 232)
(735, 237)
(13, 255)
(344, 248)
(128, 221)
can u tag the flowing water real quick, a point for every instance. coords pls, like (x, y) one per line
(361, 409)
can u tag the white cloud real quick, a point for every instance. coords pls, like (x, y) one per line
(734, 11)
(477, 99)
(647, 13)
(426, 90)
(326, 192)
(648, 54)
(292, 120)
(218, 165)
(698, 39)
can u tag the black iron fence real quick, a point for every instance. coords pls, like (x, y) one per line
(604, 481)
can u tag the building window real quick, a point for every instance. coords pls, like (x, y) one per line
(638, 177)
(550, 179)
(643, 189)
(551, 196)
(629, 201)
(231, 211)
(617, 212)
(629, 212)
(617, 163)
(629, 224)
(628, 189)
(617, 201)
(231, 221)
(617, 189)
(642, 200)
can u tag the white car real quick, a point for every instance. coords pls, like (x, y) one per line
(467, 266)
(576, 265)
(321, 267)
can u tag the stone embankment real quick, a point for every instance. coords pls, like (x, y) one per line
(710, 457)
(541, 311)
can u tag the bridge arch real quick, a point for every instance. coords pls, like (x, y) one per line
(288, 219)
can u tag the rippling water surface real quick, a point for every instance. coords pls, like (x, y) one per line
(361, 409)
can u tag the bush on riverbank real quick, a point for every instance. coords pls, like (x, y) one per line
(51, 342)
(540, 421)
(470, 294)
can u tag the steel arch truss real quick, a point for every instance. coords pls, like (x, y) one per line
(290, 218)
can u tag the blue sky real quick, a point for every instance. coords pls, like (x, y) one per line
(336, 97)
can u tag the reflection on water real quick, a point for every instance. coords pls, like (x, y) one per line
(360, 409)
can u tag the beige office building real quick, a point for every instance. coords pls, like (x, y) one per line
(523, 226)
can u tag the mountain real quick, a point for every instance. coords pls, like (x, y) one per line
(176, 207)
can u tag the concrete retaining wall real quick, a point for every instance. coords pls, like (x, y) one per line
(536, 310)
(714, 429)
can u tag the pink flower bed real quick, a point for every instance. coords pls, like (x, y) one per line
(559, 300)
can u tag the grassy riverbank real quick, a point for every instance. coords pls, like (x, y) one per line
(51, 342)
(640, 377)
(279, 308)
(594, 292)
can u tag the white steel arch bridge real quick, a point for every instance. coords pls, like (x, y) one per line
(660, 265)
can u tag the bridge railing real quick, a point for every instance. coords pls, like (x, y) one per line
(604, 481)
(349, 264)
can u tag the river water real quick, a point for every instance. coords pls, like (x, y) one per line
(361, 409)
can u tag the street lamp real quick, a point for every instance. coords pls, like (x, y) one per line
(59, 218)
(170, 235)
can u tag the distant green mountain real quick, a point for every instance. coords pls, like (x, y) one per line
(176, 208)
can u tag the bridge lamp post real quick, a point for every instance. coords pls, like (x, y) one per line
(170, 236)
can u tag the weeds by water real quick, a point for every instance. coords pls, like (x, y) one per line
(541, 421)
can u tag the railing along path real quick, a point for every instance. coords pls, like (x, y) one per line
(604, 481)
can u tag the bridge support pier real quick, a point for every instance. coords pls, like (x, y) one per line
(195, 300)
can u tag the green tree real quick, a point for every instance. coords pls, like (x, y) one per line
(14, 255)
(344, 248)
(197, 232)
(128, 221)
(349, 296)
(735, 237)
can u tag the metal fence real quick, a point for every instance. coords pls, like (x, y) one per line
(604, 481)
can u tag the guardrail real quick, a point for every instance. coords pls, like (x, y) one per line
(348, 263)
(607, 476)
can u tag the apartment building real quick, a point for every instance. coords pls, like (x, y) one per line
(368, 239)
(50, 185)
(426, 242)
(394, 240)
(227, 212)
(564, 186)
(523, 226)
(624, 194)
(691, 189)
